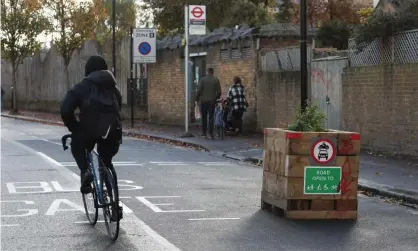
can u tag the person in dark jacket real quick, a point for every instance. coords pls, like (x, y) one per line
(209, 90)
(96, 73)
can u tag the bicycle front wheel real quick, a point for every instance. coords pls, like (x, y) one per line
(111, 211)
(90, 205)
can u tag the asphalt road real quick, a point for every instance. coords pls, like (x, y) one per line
(175, 199)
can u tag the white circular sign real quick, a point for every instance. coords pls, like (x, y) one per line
(323, 151)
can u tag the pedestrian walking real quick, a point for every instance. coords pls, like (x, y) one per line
(237, 102)
(209, 90)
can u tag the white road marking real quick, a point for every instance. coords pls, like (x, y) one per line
(168, 163)
(114, 163)
(216, 163)
(136, 221)
(202, 219)
(10, 225)
(155, 208)
(76, 176)
(99, 221)
(84, 222)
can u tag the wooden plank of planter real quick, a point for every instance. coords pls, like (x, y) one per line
(322, 205)
(325, 215)
(270, 182)
(274, 200)
(346, 205)
(299, 143)
(292, 188)
(274, 161)
(294, 165)
(348, 144)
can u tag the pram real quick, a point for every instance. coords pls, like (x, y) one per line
(224, 121)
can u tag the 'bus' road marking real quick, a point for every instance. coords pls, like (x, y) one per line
(201, 219)
(137, 222)
(168, 163)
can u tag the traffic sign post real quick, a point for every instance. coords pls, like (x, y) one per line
(322, 180)
(197, 19)
(186, 71)
(144, 46)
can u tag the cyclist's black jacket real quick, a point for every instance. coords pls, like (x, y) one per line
(96, 72)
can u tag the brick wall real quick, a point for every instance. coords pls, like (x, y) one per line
(166, 83)
(166, 88)
(166, 80)
(278, 97)
(381, 102)
(225, 70)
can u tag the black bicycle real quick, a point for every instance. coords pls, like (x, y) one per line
(105, 197)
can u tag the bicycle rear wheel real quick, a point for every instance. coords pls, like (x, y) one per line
(90, 205)
(111, 210)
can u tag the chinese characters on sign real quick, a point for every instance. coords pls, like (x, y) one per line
(322, 180)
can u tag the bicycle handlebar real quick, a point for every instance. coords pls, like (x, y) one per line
(64, 141)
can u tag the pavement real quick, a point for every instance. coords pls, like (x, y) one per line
(382, 175)
(174, 199)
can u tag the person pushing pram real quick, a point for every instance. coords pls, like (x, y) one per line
(234, 106)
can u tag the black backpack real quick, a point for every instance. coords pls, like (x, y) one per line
(99, 114)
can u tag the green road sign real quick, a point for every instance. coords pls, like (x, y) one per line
(321, 180)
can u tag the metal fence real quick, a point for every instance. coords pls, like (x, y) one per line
(283, 59)
(398, 49)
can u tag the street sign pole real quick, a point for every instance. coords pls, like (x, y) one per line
(186, 68)
(132, 77)
(114, 37)
(303, 56)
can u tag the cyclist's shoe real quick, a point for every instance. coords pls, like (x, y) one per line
(86, 179)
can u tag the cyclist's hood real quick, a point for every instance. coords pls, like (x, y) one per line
(103, 78)
(95, 63)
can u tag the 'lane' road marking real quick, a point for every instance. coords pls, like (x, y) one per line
(201, 219)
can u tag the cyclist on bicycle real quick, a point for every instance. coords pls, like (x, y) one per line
(99, 102)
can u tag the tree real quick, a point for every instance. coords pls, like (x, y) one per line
(169, 14)
(75, 22)
(334, 33)
(286, 11)
(250, 13)
(22, 22)
(364, 14)
(126, 16)
(381, 25)
(320, 11)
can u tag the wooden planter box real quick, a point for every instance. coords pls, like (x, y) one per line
(287, 153)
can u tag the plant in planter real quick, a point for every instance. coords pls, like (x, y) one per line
(311, 172)
(310, 120)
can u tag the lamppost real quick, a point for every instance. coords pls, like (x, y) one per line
(114, 37)
(303, 56)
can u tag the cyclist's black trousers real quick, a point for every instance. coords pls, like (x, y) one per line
(107, 148)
